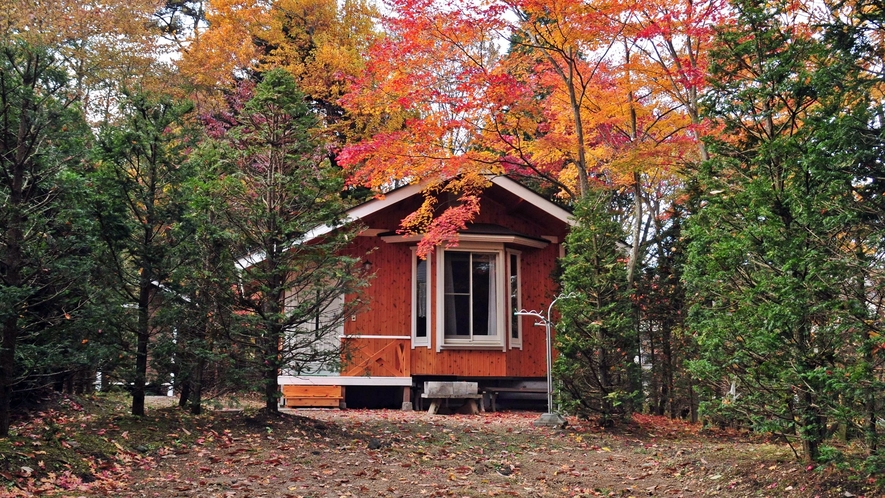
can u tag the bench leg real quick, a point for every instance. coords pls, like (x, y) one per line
(471, 407)
(434, 407)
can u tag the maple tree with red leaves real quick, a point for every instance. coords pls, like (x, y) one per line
(560, 94)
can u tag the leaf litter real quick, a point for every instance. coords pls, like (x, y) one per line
(72, 451)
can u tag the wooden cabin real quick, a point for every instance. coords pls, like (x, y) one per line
(449, 317)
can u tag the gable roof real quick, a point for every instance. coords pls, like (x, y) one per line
(395, 196)
(515, 188)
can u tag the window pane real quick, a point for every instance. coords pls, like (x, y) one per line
(514, 296)
(484, 299)
(421, 299)
(457, 272)
(470, 294)
(457, 293)
(458, 315)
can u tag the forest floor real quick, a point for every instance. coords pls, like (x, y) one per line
(89, 446)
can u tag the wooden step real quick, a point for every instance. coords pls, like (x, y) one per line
(312, 396)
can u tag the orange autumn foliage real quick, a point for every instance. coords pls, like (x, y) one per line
(320, 42)
(564, 92)
(105, 45)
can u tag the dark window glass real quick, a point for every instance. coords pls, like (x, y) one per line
(470, 290)
(421, 299)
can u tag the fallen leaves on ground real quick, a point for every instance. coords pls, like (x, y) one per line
(340, 453)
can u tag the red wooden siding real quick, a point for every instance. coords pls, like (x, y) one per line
(537, 292)
(377, 357)
(389, 307)
(389, 310)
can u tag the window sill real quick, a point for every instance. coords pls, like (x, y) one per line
(487, 346)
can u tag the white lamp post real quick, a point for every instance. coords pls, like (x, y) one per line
(551, 418)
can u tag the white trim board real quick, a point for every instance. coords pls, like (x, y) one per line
(339, 380)
(377, 204)
(364, 336)
(474, 237)
(353, 214)
(534, 199)
(254, 258)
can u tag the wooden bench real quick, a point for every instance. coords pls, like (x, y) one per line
(441, 392)
(312, 396)
(493, 392)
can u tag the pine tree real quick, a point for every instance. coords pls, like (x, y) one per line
(278, 187)
(596, 338)
(773, 248)
(45, 256)
(141, 173)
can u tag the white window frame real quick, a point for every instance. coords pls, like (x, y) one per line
(497, 341)
(420, 341)
(515, 341)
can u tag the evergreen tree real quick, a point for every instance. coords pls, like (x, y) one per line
(141, 172)
(660, 297)
(850, 143)
(209, 281)
(278, 188)
(596, 337)
(773, 247)
(45, 256)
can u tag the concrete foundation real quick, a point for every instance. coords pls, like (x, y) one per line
(550, 420)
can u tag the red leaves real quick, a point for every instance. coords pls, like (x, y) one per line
(444, 228)
(656, 424)
(440, 98)
(493, 454)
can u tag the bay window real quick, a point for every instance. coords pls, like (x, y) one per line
(470, 294)
(471, 284)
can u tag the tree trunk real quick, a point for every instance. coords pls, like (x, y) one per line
(272, 369)
(13, 265)
(184, 393)
(809, 430)
(583, 180)
(274, 304)
(655, 383)
(141, 348)
(105, 378)
(7, 359)
(10, 328)
(271, 390)
(604, 380)
(637, 230)
(15, 206)
(871, 433)
(196, 386)
(667, 349)
(692, 404)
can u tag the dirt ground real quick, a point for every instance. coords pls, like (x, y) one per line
(336, 453)
(91, 447)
